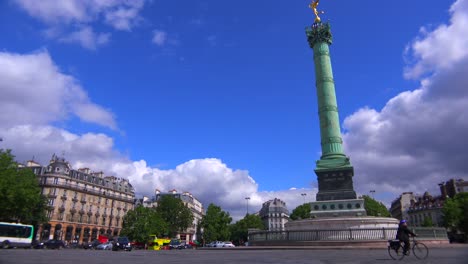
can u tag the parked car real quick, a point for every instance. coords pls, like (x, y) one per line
(228, 244)
(174, 244)
(92, 245)
(105, 246)
(219, 244)
(122, 243)
(184, 245)
(50, 244)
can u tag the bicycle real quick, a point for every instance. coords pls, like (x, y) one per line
(395, 249)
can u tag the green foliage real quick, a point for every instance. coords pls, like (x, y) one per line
(455, 212)
(239, 230)
(141, 222)
(375, 208)
(215, 224)
(174, 212)
(427, 222)
(301, 212)
(20, 193)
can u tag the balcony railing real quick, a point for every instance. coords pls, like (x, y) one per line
(88, 191)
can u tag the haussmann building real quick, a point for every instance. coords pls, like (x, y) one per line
(81, 205)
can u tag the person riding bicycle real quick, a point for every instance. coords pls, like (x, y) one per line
(403, 234)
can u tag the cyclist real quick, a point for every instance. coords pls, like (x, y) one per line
(403, 234)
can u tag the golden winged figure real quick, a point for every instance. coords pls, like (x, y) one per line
(313, 5)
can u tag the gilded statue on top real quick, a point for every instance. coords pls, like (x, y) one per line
(313, 5)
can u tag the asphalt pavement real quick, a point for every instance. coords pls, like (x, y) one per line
(439, 255)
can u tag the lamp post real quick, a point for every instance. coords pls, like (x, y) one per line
(247, 199)
(372, 193)
(303, 196)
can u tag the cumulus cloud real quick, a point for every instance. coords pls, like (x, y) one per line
(36, 95)
(36, 92)
(416, 140)
(76, 18)
(439, 49)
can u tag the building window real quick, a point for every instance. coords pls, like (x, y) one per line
(103, 221)
(51, 202)
(55, 180)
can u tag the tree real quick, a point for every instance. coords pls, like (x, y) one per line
(427, 222)
(455, 212)
(301, 212)
(177, 216)
(239, 230)
(141, 222)
(20, 193)
(215, 224)
(375, 208)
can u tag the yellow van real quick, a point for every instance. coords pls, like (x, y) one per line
(156, 243)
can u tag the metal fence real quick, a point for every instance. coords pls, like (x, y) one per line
(364, 234)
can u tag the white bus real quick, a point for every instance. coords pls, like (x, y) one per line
(15, 235)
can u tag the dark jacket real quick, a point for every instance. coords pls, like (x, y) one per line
(403, 233)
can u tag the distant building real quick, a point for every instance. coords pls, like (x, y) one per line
(192, 233)
(426, 206)
(451, 187)
(81, 204)
(400, 206)
(274, 214)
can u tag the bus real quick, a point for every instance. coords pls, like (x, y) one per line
(15, 235)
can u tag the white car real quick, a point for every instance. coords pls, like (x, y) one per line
(228, 244)
(218, 244)
(105, 246)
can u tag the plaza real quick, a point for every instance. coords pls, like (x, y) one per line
(447, 255)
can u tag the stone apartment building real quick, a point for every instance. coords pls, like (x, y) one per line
(426, 206)
(274, 214)
(192, 233)
(81, 204)
(399, 207)
(417, 208)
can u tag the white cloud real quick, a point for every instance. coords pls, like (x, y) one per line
(79, 16)
(442, 47)
(36, 92)
(416, 140)
(87, 38)
(159, 37)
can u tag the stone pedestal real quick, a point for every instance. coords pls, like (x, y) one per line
(339, 223)
(338, 208)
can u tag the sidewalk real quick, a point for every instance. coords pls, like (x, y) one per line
(376, 247)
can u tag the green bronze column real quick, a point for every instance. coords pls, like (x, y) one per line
(334, 170)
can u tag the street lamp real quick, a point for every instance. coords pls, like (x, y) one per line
(303, 196)
(247, 199)
(372, 193)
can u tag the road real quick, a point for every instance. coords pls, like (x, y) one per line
(348, 256)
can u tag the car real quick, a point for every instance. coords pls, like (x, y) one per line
(228, 244)
(121, 243)
(174, 244)
(105, 246)
(218, 244)
(92, 245)
(50, 244)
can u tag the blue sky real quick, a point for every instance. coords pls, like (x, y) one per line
(194, 95)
